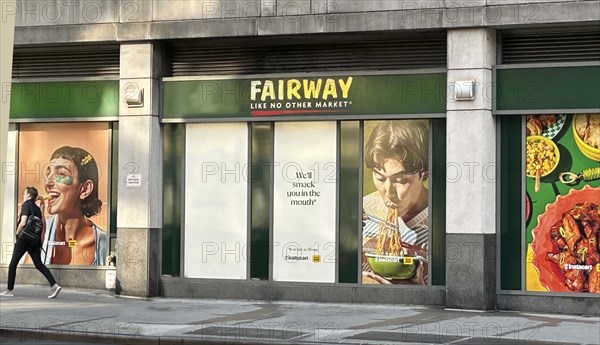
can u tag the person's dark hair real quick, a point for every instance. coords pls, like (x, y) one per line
(87, 169)
(406, 139)
(32, 191)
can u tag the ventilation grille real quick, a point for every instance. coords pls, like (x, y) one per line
(562, 45)
(66, 61)
(285, 55)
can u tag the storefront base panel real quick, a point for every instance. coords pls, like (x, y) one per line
(83, 278)
(550, 304)
(471, 271)
(176, 288)
(137, 271)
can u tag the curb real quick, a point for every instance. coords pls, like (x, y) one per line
(40, 335)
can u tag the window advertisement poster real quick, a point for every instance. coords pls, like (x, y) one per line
(562, 202)
(216, 201)
(304, 202)
(68, 164)
(395, 235)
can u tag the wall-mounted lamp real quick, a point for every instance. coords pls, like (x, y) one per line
(464, 90)
(135, 99)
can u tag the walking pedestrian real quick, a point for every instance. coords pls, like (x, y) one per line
(29, 245)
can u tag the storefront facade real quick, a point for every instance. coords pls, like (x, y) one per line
(550, 256)
(77, 121)
(292, 188)
(243, 154)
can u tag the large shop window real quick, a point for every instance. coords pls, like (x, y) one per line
(310, 202)
(561, 203)
(306, 178)
(395, 203)
(64, 142)
(69, 165)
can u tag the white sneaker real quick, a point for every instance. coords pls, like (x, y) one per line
(54, 290)
(7, 293)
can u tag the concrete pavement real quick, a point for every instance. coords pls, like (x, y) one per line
(84, 316)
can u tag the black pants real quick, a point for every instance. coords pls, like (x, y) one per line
(31, 246)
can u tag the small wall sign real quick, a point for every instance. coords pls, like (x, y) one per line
(134, 180)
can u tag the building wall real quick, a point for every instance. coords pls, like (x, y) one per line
(472, 27)
(45, 21)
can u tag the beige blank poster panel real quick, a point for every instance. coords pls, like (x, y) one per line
(216, 201)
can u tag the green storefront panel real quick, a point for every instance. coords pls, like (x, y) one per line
(336, 95)
(557, 89)
(173, 155)
(349, 197)
(548, 88)
(55, 100)
(260, 191)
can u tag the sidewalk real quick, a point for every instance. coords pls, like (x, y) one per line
(97, 316)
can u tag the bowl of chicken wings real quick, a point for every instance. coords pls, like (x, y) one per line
(566, 243)
(586, 131)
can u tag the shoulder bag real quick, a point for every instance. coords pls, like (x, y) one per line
(33, 228)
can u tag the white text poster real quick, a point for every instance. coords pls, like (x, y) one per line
(304, 202)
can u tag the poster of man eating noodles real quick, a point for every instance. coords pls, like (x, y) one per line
(395, 202)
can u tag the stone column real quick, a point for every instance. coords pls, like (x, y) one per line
(8, 10)
(471, 163)
(139, 216)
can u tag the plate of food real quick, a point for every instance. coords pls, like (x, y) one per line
(541, 156)
(586, 131)
(394, 267)
(387, 258)
(527, 207)
(566, 252)
(547, 125)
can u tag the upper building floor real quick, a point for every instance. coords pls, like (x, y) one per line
(58, 21)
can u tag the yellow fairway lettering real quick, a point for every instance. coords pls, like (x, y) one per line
(330, 89)
(268, 91)
(254, 89)
(293, 86)
(312, 89)
(346, 86)
(300, 89)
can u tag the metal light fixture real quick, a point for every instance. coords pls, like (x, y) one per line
(135, 99)
(464, 90)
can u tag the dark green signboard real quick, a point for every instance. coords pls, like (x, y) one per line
(575, 87)
(325, 95)
(55, 100)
